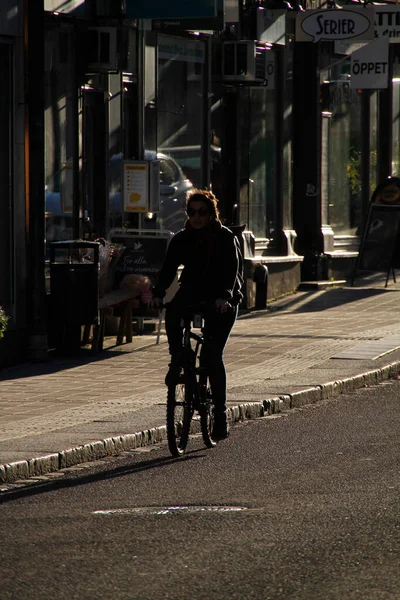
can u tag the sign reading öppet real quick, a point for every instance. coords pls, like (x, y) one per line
(319, 25)
(370, 65)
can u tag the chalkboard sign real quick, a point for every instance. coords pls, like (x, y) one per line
(380, 248)
(143, 255)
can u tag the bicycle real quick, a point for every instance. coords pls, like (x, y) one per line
(191, 392)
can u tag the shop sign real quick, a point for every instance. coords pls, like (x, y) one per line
(174, 48)
(135, 185)
(387, 22)
(330, 25)
(162, 9)
(227, 12)
(370, 65)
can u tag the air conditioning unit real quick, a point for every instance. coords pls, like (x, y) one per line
(102, 49)
(245, 61)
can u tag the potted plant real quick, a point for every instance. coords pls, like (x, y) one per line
(3, 322)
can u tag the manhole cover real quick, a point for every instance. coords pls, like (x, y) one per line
(169, 510)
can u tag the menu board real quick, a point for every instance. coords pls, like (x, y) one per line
(143, 255)
(380, 247)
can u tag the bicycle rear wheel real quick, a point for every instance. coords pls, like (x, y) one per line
(206, 412)
(179, 417)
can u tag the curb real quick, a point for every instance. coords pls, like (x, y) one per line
(24, 469)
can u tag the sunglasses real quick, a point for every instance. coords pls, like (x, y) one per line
(202, 212)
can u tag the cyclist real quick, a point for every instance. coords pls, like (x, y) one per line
(209, 253)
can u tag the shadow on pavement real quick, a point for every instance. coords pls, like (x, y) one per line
(76, 479)
(320, 300)
(338, 297)
(55, 363)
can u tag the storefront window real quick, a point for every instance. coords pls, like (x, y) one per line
(344, 153)
(6, 225)
(258, 160)
(179, 124)
(115, 150)
(396, 119)
(59, 133)
(217, 133)
(287, 156)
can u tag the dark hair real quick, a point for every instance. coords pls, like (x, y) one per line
(208, 198)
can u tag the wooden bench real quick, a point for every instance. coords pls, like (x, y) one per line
(125, 300)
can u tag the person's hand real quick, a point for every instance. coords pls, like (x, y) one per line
(222, 305)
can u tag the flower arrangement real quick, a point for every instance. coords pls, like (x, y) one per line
(3, 322)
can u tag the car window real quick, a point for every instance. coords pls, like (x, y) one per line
(169, 173)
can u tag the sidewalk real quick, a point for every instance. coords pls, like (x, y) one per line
(309, 346)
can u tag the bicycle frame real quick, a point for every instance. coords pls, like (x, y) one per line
(190, 357)
(190, 393)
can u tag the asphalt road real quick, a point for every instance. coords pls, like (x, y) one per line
(303, 506)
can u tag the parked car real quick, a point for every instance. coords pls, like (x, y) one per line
(189, 160)
(174, 186)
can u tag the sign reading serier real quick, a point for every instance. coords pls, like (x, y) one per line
(370, 65)
(331, 24)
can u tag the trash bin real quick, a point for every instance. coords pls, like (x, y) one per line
(74, 290)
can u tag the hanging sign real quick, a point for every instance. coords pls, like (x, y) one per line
(370, 65)
(175, 48)
(227, 12)
(387, 22)
(135, 185)
(162, 9)
(332, 24)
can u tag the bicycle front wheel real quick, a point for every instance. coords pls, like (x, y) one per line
(179, 417)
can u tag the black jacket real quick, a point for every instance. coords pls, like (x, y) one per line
(211, 264)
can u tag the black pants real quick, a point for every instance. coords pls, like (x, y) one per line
(217, 328)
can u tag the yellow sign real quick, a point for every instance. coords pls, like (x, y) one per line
(135, 186)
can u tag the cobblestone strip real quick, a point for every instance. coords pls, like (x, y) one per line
(307, 356)
(114, 446)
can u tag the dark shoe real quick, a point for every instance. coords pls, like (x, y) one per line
(220, 429)
(175, 367)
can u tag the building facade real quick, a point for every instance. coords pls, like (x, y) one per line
(232, 102)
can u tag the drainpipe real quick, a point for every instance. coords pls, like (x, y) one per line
(34, 177)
